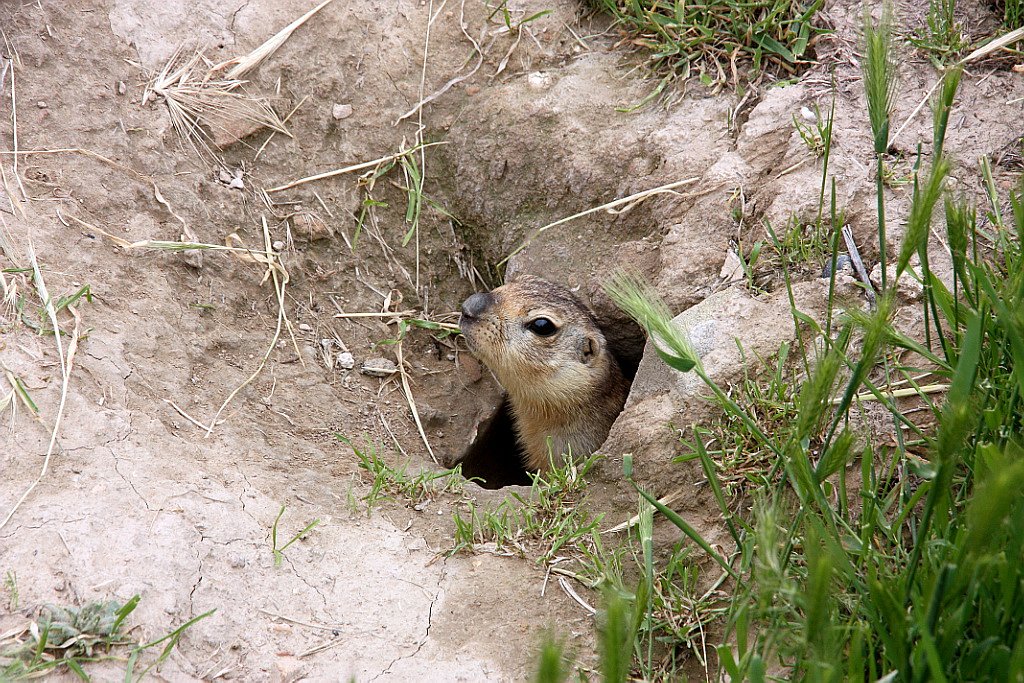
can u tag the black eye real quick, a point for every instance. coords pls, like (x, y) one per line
(542, 327)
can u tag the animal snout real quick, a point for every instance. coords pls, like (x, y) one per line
(476, 305)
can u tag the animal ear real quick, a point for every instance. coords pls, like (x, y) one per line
(589, 349)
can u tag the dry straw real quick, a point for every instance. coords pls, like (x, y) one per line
(66, 364)
(203, 99)
(202, 105)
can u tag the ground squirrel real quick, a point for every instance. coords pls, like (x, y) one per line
(545, 348)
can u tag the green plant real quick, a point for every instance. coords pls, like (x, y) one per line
(279, 551)
(554, 664)
(11, 585)
(943, 36)
(510, 23)
(73, 637)
(1013, 13)
(768, 395)
(802, 247)
(880, 74)
(552, 517)
(706, 39)
(396, 481)
(814, 132)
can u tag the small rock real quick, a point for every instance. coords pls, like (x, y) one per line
(808, 115)
(122, 88)
(278, 245)
(378, 367)
(42, 105)
(224, 176)
(472, 89)
(345, 361)
(539, 80)
(305, 327)
(732, 269)
(236, 560)
(843, 262)
(192, 258)
(341, 111)
(310, 226)
(236, 184)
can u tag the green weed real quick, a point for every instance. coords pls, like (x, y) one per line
(72, 637)
(768, 394)
(40, 321)
(942, 36)
(802, 248)
(279, 550)
(11, 586)
(510, 23)
(815, 133)
(551, 518)
(880, 85)
(707, 39)
(555, 664)
(1013, 13)
(397, 482)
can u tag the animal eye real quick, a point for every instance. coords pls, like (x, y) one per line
(542, 327)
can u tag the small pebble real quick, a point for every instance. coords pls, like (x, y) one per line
(42, 105)
(843, 261)
(122, 88)
(341, 111)
(345, 361)
(305, 327)
(379, 367)
(278, 245)
(539, 80)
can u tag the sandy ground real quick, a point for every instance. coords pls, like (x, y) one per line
(138, 499)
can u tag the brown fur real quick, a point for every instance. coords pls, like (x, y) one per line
(566, 387)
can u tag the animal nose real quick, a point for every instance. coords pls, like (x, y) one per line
(474, 306)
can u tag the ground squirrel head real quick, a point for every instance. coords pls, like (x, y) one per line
(540, 341)
(564, 386)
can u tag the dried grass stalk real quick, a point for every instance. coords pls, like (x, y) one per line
(237, 67)
(206, 110)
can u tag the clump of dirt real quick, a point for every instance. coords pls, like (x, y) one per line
(166, 482)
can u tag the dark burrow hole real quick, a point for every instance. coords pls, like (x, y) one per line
(494, 458)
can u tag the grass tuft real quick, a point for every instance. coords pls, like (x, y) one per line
(397, 482)
(552, 518)
(710, 39)
(279, 550)
(70, 638)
